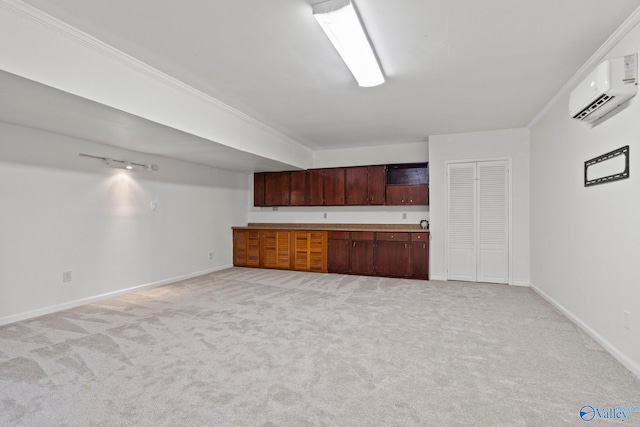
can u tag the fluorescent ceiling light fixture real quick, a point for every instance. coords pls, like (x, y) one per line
(339, 20)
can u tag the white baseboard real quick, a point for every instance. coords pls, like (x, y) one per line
(441, 278)
(71, 304)
(523, 284)
(613, 350)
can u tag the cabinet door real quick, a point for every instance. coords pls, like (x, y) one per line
(253, 248)
(420, 259)
(376, 185)
(240, 248)
(396, 194)
(393, 254)
(338, 252)
(315, 187)
(258, 189)
(361, 247)
(301, 240)
(318, 251)
(276, 249)
(334, 187)
(298, 188)
(418, 194)
(310, 251)
(276, 188)
(357, 188)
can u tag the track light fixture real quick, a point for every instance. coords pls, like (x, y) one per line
(109, 161)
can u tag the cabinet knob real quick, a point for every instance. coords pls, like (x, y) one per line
(411, 201)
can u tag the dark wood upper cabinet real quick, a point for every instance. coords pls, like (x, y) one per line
(357, 179)
(400, 184)
(376, 184)
(365, 185)
(334, 191)
(408, 184)
(276, 188)
(408, 194)
(418, 194)
(258, 189)
(299, 183)
(315, 187)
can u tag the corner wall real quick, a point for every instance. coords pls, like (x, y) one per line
(61, 212)
(585, 241)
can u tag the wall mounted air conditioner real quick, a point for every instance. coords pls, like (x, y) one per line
(608, 86)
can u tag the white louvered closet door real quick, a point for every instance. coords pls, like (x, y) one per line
(462, 220)
(478, 221)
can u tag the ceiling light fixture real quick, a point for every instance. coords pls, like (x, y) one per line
(340, 21)
(109, 161)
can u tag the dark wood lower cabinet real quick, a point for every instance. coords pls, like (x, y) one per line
(338, 252)
(420, 259)
(403, 254)
(393, 259)
(362, 252)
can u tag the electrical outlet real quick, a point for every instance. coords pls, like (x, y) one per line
(210, 256)
(626, 320)
(66, 277)
(324, 215)
(404, 216)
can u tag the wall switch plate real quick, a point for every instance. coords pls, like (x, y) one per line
(66, 276)
(626, 320)
(154, 206)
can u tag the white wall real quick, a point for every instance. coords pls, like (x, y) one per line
(376, 155)
(585, 241)
(509, 143)
(60, 212)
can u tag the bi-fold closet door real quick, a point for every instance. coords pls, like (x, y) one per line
(478, 221)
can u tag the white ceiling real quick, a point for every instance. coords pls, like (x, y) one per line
(451, 65)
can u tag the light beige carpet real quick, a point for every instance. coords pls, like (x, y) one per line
(249, 347)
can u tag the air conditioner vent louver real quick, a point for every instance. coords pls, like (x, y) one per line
(593, 107)
(610, 85)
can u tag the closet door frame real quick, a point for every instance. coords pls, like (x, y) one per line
(508, 161)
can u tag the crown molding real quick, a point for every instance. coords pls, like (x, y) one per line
(591, 63)
(77, 36)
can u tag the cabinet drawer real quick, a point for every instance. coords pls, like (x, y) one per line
(362, 235)
(342, 235)
(419, 237)
(392, 237)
